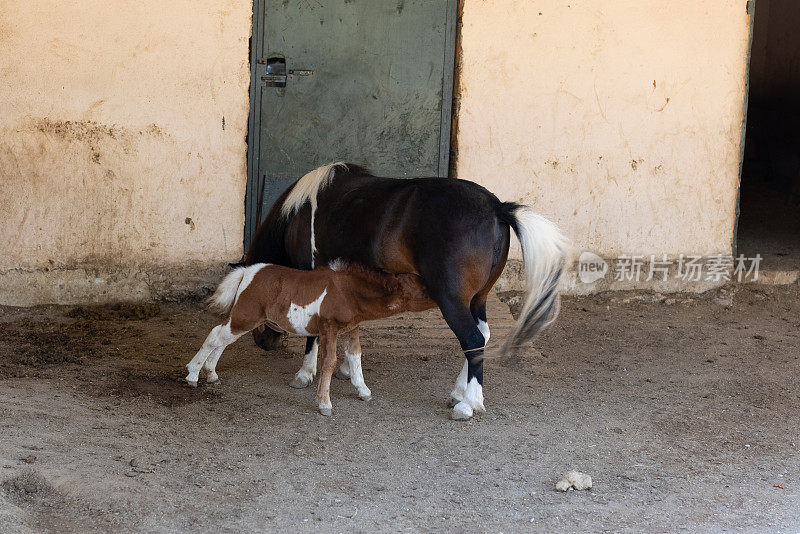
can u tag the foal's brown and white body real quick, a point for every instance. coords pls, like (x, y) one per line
(325, 302)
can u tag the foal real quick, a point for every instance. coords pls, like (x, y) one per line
(325, 302)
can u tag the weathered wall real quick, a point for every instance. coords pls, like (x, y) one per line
(619, 120)
(117, 178)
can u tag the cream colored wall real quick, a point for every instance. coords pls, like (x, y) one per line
(117, 179)
(619, 120)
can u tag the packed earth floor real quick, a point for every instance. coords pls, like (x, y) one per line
(683, 409)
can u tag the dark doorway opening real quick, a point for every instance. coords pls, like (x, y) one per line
(769, 203)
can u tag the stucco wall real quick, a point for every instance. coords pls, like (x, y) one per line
(117, 178)
(619, 120)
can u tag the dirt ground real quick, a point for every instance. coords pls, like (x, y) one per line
(684, 410)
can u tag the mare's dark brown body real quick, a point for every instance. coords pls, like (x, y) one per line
(453, 234)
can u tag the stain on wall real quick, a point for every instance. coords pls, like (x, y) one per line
(112, 138)
(619, 120)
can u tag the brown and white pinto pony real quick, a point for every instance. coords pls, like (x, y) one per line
(325, 302)
(454, 234)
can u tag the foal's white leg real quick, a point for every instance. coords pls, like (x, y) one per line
(352, 357)
(305, 375)
(196, 364)
(343, 372)
(357, 375)
(353, 345)
(210, 366)
(219, 338)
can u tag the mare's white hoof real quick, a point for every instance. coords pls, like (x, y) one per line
(366, 397)
(191, 383)
(452, 401)
(301, 381)
(461, 412)
(212, 377)
(326, 410)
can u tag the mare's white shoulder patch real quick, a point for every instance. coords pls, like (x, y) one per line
(300, 316)
(338, 264)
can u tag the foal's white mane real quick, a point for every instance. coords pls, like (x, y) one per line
(308, 186)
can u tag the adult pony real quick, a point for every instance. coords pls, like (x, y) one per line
(454, 234)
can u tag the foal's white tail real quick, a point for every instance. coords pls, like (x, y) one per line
(544, 253)
(232, 286)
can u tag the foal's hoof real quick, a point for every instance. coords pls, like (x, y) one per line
(461, 412)
(301, 381)
(366, 398)
(212, 378)
(325, 410)
(191, 383)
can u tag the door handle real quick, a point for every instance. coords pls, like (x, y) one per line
(276, 72)
(274, 80)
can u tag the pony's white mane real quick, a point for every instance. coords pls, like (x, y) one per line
(308, 186)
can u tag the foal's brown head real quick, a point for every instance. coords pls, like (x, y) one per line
(403, 292)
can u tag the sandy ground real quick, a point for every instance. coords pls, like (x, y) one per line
(684, 412)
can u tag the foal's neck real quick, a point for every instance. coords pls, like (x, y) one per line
(397, 293)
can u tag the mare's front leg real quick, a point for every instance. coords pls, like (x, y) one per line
(208, 355)
(306, 374)
(327, 340)
(352, 355)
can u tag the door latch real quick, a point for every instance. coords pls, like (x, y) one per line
(276, 72)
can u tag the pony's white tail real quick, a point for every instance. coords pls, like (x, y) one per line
(544, 253)
(231, 287)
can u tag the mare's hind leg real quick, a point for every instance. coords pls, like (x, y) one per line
(463, 324)
(478, 309)
(352, 355)
(208, 355)
(306, 374)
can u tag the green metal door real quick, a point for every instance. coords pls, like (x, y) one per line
(365, 81)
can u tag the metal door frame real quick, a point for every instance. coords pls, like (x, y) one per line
(255, 181)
